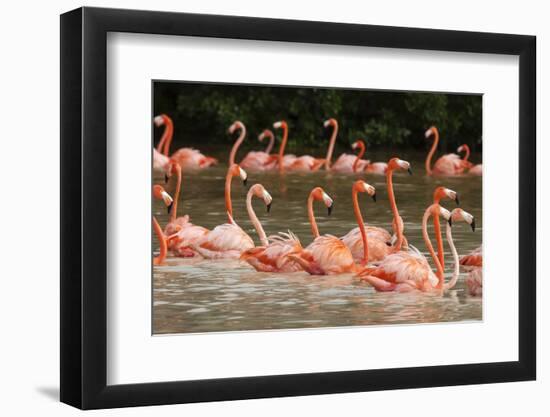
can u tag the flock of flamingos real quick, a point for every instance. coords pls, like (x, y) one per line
(385, 261)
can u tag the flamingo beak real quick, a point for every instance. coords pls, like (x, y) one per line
(329, 209)
(245, 180)
(473, 225)
(409, 170)
(456, 200)
(374, 197)
(450, 221)
(268, 207)
(165, 179)
(169, 207)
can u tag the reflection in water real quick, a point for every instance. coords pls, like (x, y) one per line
(204, 295)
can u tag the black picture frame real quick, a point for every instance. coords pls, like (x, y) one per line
(84, 207)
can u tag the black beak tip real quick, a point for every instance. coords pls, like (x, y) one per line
(473, 225)
(268, 207)
(374, 197)
(410, 171)
(169, 207)
(457, 201)
(329, 209)
(245, 181)
(165, 179)
(450, 222)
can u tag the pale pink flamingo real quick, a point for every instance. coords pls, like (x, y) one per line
(271, 256)
(186, 233)
(160, 194)
(410, 271)
(350, 163)
(361, 165)
(188, 158)
(441, 193)
(260, 160)
(227, 240)
(326, 255)
(447, 165)
(378, 239)
(474, 282)
(472, 169)
(281, 161)
(304, 163)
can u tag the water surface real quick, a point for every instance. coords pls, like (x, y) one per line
(227, 295)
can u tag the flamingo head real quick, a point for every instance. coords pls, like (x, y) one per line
(159, 120)
(236, 125)
(319, 194)
(171, 168)
(160, 194)
(265, 134)
(281, 124)
(396, 163)
(460, 149)
(358, 144)
(362, 187)
(437, 210)
(431, 131)
(236, 170)
(460, 215)
(330, 122)
(260, 192)
(442, 192)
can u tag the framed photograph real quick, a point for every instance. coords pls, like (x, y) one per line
(258, 208)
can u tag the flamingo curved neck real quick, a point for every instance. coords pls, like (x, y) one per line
(438, 237)
(311, 215)
(236, 146)
(439, 268)
(254, 219)
(431, 153)
(167, 135)
(467, 153)
(173, 212)
(283, 146)
(359, 156)
(454, 279)
(269, 147)
(396, 218)
(330, 150)
(162, 241)
(361, 224)
(228, 205)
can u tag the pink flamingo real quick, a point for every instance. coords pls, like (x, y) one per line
(186, 233)
(347, 163)
(187, 158)
(326, 255)
(410, 271)
(304, 163)
(441, 193)
(259, 160)
(227, 240)
(272, 255)
(350, 163)
(397, 223)
(473, 259)
(474, 282)
(377, 238)
(472, 169)
(447, 165)
(160, 194)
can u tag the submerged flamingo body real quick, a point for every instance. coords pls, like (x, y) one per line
(378, 243)
(447, 165)
(273, 257)
(474, 282)
(473, 259)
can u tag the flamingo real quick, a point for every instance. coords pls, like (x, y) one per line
(410, 271)
(227, 240)
(349, 163)
(474, 282)
(377, 243)
(397, 223)
(304, 163)
(160, 194)
(272, 255)
(447, 165)
(472, 169)
(185, 231)
(259, 160)
(439, 194)
(187, 158)
(326, 255)
(473, 259)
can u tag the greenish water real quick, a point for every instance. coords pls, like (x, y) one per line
(227, 295)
